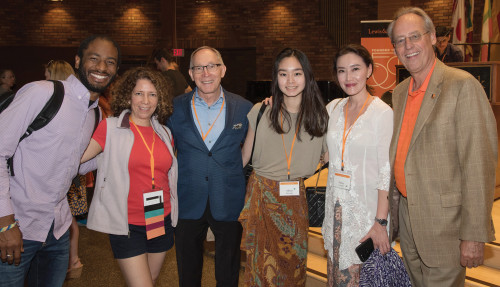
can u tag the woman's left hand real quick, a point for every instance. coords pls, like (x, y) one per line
(378, 234)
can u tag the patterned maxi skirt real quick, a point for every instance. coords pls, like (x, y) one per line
(336, 278)
(275, 230)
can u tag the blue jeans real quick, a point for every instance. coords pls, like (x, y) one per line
(42, 263)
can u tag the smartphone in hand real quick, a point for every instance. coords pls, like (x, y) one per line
(365, 249)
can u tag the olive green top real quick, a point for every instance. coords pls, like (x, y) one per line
(269, 159)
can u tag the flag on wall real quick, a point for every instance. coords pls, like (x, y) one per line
(469, 31)
(495, 19)
(458, 23)
(487, 32)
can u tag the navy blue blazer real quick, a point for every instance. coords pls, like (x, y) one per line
(215, 174)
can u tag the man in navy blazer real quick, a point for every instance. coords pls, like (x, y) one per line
(209, 126)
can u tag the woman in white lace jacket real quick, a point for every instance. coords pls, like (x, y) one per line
(358, 138)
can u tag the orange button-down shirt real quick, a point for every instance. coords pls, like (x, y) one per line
(412, 109)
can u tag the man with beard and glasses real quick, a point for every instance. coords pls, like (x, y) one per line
(34, 213)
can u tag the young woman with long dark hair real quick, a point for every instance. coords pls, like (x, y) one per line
(288, 145)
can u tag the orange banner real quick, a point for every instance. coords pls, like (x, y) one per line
(375, 39)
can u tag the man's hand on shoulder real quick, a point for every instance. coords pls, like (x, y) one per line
(11, 242)
(471, 253)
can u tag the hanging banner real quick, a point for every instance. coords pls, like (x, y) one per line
(375, 39)
(495, 17)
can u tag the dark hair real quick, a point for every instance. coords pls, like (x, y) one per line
(122, 91)
(357, 50)
(387, 98)
(442, 31)
(312, 114)
(85, 44)
(3, 71)
(163, 53)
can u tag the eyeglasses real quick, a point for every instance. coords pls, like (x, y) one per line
(400, 42)
(49, 63)
(210, 68)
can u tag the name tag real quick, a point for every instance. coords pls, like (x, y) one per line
(342, 179)
(154, 213)
(289, 188)
(153, 197)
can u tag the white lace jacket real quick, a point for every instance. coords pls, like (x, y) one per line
(366, 156)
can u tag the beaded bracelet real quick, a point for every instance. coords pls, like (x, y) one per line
(10, 226)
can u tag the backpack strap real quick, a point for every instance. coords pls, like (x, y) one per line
(97, 117)
(47, 113)
(5, 99)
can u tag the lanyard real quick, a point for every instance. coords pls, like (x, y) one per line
(288, 159)
(151, 158)
(344, 135)
(204, 136)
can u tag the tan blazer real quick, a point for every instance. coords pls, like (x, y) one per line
(450, 167)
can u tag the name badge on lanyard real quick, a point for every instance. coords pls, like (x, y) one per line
(342, 179)
(153, 198)
(153, 213)
(289, 188)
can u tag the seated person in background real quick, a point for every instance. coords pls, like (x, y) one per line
(165, 63)
(7, 80)
(445, 51)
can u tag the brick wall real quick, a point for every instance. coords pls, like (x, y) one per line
(360, 10)
(266, 25)
(65, 24)
(439, 10)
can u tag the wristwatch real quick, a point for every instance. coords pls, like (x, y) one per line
(382, 222)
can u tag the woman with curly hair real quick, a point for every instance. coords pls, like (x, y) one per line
(288, 145)
(135, 198)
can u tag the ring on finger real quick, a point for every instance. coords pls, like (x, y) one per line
(9, 255)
